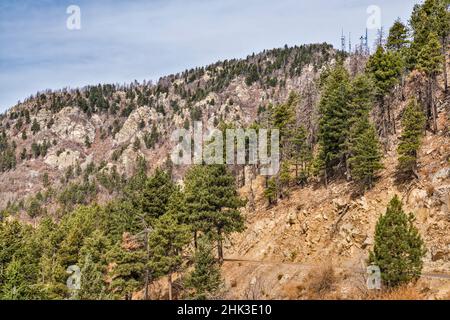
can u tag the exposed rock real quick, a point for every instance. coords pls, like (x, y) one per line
(131, 127)
(64, 160)
(72, 124)
(441, 175)
(418, 198)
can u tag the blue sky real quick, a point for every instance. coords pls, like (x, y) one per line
(121, 41)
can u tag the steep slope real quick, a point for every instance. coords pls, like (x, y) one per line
(284, 246)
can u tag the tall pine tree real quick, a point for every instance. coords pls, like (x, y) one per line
(413, 123)
(398, 248)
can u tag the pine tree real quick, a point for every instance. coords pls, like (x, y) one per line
(334, 114)
(362, 97)
(413, 123)
(151, 195)
(76, 227)
(128, 260)
(301, 155)
(213, 202)
(205, 280)
(430, 61)
(366, 157)
(271, 191)
(386, 68)
(432, 16)
(51, 274)
(398, 248)
(398, 36)
(166, 243)
(18, 266)
(93, 261)
(16, 285)
(35, 127)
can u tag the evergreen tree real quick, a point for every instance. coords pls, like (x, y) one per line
(51, 275)
(361, 104)
(433, 16)
(413, 123)
(93, 285)
(167, 241)
(76, 227)
(301, 155)
(205, 280)
(213, 203)
(398, 249)
(398, 36)
(385, 67)
(430, 61)
(93, 261)
(271, 191)
(128, 264)
(35, 127)
(16, 285)
(334, 115)
(366, 157)
(151, 195)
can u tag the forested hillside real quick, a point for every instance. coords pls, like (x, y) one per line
(86, 180)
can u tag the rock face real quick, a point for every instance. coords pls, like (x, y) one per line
(72, 124)
(131, 126)
(64, 160)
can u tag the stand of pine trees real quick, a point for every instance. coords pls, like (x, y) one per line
(124, 246)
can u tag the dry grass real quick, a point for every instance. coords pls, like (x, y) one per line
(401, 293)
(321, 283)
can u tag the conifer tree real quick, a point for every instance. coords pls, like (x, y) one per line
(334, 115)
(398, 248)
(205, 280)
(35, 127)
(413, 123)
(385, 67)
(44, 244)
(213, 202)
(151, 195)
(271, 191)
(128, 260)
(16, 285)
(430, 61)
(398, 36)
(433, 16)
(93, 261)
(301, 155)
(166, 243)
(366, 156)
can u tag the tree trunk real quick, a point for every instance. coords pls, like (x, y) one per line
(433, 106)
(389, 115)
(347, 169)
(169, 283)
(383, 119)
(444, 52)
(147, 271)
(195, 240)
(219, 246)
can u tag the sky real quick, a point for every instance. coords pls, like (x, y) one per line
(125, 40)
